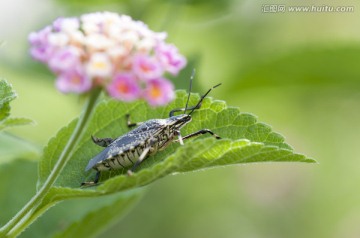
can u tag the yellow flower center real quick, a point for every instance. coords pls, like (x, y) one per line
(123, 88)
(76, 80)
(99, 65)
(145, 67)
(155, 92)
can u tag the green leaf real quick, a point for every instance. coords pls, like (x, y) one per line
(15, 121)
(96, 221)
(244, 141)
(6, 96)
(12, 147)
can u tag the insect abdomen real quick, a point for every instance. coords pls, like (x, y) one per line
(122, 159)
(117, 157)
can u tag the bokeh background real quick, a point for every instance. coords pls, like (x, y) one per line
(297, 71)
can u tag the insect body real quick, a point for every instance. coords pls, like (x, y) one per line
(138, 144)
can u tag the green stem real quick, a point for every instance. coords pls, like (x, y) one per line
(29, 219)
(23, 216)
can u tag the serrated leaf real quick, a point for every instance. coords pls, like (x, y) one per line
(96, 221)
(15, 121)
(6, 96)
(12, 147)
(244, 141)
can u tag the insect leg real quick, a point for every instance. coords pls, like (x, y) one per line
(91, 183)
(197, 133)
(138, 162)
(180, 140)
(129, 123)
(142, 157)
(104, 142)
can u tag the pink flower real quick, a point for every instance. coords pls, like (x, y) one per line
(170, 58)
(65, 59)
(73, 81)
(107, 50)
(124, 87)
(146, 67)
(41, 49)
(159, 91)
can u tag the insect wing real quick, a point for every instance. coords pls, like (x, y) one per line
(139, 135)
(130, 140)
(121, 144)
(98, 158)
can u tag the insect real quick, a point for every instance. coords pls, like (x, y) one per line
(149, 137)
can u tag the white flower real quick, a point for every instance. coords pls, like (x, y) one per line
(58, 39)
(117, 52)
(69, 25)
(77, 38)
(109, 18)
(99, 65)
(146, 45)
(129, 40)
(91, 23)
(98, 42)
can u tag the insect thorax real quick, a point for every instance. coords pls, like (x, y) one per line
(154, 135)
(159, 131)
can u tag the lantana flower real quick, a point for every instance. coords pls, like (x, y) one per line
(159, 90)
(113, 51)
(124, 87)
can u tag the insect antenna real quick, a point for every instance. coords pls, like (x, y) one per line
(191, 80)
(198, 105)
(187, 102)
(202, 98)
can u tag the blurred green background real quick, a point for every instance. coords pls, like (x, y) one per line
(298, 72)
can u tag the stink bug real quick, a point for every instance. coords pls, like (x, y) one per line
(131, 149)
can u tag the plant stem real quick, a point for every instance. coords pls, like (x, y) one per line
(23, 215)
(29, 219)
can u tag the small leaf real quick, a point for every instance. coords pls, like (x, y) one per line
(244, 141)
(15, 121)
(12, 147)
(6, 96)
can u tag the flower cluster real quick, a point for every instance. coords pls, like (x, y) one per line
(105, 49)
